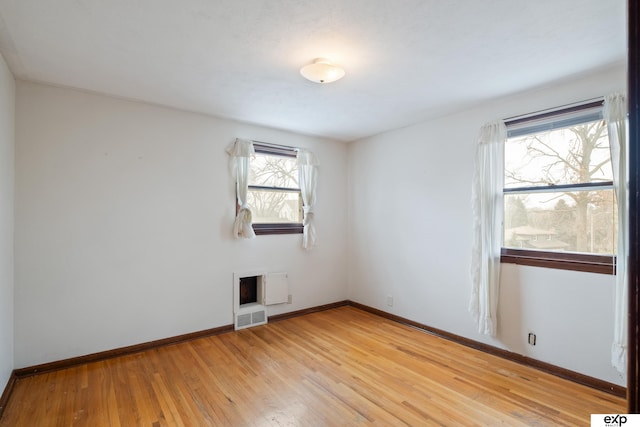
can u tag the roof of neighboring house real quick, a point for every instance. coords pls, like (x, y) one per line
(527, 230)
(547, 244)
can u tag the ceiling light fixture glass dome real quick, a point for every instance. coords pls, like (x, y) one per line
(322, 71)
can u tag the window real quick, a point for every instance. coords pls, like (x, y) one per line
(559, 202)
(274, 195)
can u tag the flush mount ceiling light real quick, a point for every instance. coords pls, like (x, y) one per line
(322, 71)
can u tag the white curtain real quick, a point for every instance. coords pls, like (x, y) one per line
(308, 179)
(615, 114)
(487, 211)
(241, 151)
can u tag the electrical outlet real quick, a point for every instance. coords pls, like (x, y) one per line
(290, 299)
(532, 338)
(389, 300)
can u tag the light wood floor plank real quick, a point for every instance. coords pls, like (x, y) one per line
(340, 367)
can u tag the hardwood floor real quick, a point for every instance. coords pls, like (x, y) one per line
(338, 367)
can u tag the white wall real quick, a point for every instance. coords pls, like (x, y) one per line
(410, 237)
(123, 228)
(7, 110)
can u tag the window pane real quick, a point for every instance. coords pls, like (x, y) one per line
(572, 155)
(580, 221)
(273, 171)
(272, 206)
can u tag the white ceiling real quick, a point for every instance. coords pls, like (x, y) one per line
(406, 60)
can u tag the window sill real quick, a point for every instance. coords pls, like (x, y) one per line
(602, 264)
(266, 229)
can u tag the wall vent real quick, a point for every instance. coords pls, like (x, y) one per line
(258, 317)
(246, 318)
(253, 292)
(243, 320)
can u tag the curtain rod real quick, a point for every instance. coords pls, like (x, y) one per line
(568, 108)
